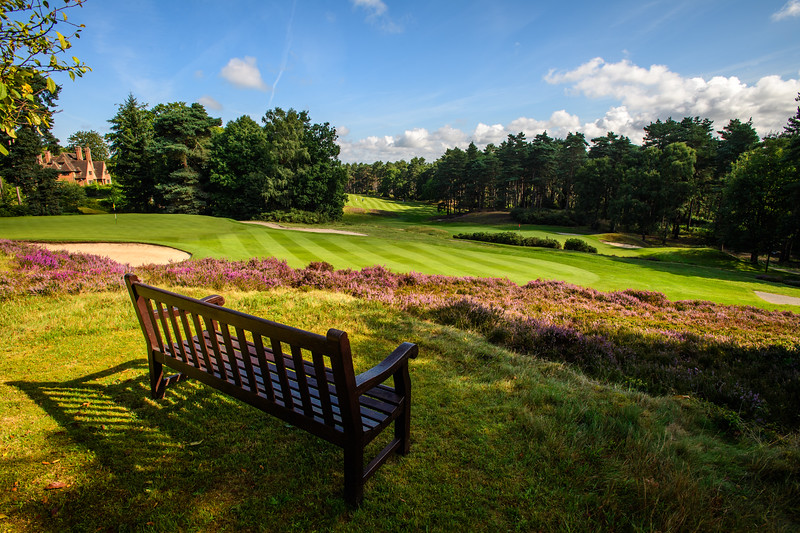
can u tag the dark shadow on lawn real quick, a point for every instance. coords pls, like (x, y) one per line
(174, 463)
(692, 270)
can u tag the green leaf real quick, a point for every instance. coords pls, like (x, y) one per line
(62, 41)
(3, 150)
(51, 86)
(3, 91)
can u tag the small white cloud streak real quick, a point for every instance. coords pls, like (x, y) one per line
(791, 9)
(285, 59)
(643, 95)
(244, 73)
(209, 102)
(378, 15)
(376, 7)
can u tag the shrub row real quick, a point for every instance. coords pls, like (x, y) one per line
(294, 216)
(510, 237)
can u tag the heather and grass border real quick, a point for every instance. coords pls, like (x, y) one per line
(679, 273)
(741, 358)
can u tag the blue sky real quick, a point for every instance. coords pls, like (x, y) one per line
(405, 78)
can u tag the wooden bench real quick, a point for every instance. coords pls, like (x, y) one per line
(303, 378)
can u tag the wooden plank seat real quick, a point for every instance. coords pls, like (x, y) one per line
(303, 378)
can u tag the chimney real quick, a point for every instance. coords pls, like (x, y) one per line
(79, 153)
(47, 156)
(88, 152)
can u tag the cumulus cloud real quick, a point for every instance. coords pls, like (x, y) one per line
(791, 9)
(656, 92)
(209, 102)
(418, 142)
(244, 73)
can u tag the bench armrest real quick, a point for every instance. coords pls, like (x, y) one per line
(381, 372)
(215, 299)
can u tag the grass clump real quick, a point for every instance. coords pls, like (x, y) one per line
(579, 245)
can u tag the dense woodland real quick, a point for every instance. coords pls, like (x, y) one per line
(175, 158)
(728, 187)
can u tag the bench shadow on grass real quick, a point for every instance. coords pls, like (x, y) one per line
(179, 462)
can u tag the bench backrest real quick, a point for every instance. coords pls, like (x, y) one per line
(302, 377)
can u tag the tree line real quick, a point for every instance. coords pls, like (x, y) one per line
(175, 158)
(733, 188)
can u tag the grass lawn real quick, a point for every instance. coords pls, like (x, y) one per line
(499, 441)
(408, 237)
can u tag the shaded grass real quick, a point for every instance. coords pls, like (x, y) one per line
(500, 441)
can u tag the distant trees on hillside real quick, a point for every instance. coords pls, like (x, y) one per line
(741, 190)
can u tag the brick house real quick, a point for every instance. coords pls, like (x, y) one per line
(73, 167)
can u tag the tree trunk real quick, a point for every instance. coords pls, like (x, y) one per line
(754, 257)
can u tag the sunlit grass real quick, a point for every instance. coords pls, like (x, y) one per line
(499, 441)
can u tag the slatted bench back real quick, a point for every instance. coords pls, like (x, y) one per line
(302, 377)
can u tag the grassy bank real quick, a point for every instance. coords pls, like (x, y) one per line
(500, 441)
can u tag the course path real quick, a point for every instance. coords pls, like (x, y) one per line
(781, 299)
(134, 254)
(310, 230)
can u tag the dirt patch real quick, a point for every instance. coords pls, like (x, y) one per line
(310, 230)
(781, 299)
(134, 254)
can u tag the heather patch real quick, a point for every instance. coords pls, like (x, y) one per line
(743, 358)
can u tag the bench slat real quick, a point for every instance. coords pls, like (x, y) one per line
(280, 370)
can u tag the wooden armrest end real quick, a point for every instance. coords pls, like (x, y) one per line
(381, 372)
(215, 299)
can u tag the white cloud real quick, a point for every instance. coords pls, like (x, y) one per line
(494, 134)
(376, 7)
(642, 94)
(378, 15)
(656, 92)
(244, 73)
(791, 9)
(209, 102)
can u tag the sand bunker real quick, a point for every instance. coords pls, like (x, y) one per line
(781, 299)
(310, 230)
(134, 254)
(621, 245)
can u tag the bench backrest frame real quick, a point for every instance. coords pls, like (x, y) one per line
(167, 318)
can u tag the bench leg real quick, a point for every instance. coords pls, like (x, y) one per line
(157, 383)
(354, 475)
(402, 425)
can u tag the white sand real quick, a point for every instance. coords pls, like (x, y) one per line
(134, 254)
